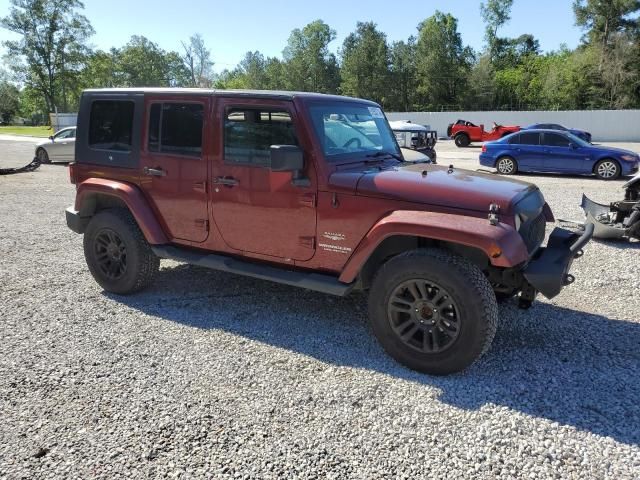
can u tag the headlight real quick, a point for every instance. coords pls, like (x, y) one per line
(629, 158)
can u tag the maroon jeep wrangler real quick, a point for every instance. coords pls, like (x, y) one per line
(312, 191)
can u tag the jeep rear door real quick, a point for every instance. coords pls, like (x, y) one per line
(174, 164)
(256, 210)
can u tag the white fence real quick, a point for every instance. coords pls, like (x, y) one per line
(63, 120)
(604, 125)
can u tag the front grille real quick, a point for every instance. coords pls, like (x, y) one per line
(532, 232)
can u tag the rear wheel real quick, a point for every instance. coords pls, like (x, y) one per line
(432, 311)
(43, 156)
(462, 140)
(607, 169)
(117, 254)
(506, 166)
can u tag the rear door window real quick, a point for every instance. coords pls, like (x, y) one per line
(111, 125)
(555, 140)
(250, 132)
(176, 128)
(527, 138)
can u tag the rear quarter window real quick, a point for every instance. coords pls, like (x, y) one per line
(111, 125)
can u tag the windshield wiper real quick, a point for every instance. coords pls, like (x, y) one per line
(382, 153)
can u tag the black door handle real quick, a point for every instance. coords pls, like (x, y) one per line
(228, 181)
(155, 172)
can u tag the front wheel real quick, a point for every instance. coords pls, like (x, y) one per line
(506, 166)
(607, 169)
(117, 254)
(432, 311)
(43, 156)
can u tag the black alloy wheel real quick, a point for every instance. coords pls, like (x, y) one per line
(110, 254)
(424, 316)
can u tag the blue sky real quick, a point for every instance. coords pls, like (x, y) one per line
(231, 28)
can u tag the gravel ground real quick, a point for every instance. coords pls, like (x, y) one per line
(212, 375)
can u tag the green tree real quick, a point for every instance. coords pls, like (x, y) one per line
(481, 86)
(9, 100)
(604, 18)
(443, 63)
(275, 74)
(495, 14)
(402, 91)
(365, 64)
(101, 70)
(142, 63)
(230, 79)
(253, 68)
(197, 61)
(510, 52)
(308, 63)
(51, 50)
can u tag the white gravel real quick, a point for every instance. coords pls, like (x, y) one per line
(210, 375)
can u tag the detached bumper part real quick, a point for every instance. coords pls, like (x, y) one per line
(74, 221)
(595, 211)
(548, 272)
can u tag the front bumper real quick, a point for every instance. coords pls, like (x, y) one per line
(548, 271)
(632, 168)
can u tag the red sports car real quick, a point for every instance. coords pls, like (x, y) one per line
(464, 132)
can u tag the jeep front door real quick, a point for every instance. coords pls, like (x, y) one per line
(259, 211)
(174, 164)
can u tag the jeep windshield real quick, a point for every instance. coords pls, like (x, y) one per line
(349, 131)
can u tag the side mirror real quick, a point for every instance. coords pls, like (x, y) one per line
(289, 158)
(573, 146)
(286, 158)
(51, 137)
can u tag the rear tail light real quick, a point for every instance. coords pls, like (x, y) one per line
(72, 173)
(484, 149)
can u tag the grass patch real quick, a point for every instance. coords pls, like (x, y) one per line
(43, 132)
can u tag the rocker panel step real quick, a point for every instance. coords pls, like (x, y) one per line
(311, 281)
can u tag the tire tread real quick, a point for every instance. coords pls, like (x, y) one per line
(476, 281)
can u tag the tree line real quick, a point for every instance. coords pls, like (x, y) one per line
(50, 63)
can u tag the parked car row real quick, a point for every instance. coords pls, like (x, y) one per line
(464, 132)
(544, 147)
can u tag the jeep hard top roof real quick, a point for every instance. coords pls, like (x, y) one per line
(267, 94)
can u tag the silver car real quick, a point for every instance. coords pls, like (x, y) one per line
(59, 147)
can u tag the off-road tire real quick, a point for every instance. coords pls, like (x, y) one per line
(469, 290)
(43, 156)
(141, 263)
(462, 140)
(603, 173)
(507, 166)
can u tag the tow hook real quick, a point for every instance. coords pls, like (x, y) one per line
(493, 214)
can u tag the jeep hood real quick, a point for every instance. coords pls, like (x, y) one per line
(455, 188)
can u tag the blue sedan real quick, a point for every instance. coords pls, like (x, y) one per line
(556, 152)
(583, 134)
